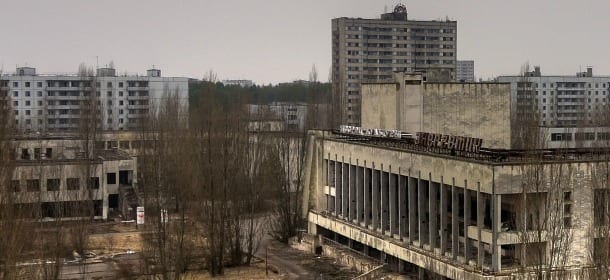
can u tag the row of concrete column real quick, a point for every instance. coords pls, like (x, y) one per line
(410, 207)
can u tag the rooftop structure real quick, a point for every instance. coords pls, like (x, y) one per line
(412, 103)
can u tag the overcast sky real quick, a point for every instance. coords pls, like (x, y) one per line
(272, 41)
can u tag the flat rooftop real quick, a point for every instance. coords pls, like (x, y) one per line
(483, 156)
(99, 157)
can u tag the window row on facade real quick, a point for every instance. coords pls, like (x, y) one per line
(400, 29)
(74, 84)
(54, 184)
(562, 85)
(580, 136)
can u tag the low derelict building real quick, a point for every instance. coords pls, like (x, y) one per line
(55, 177)
(424, 205)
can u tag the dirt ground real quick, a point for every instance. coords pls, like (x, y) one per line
(256, 271)
(115, 239)
(291, 263)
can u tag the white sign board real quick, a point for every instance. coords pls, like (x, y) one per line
(164, 216)
(140, 215)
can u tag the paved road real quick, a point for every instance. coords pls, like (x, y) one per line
(98, 269)
(284, 258)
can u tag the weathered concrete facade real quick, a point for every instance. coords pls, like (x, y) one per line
(455, 216)
(479, 110)
(53, 177)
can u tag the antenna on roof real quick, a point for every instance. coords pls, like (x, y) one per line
(385, 9)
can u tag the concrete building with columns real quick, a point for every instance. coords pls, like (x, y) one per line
(493, 214)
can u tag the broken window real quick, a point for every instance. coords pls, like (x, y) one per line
(94, 183)
(73, 184)
(110, 178)
(25, 154)
(53, 185)
(33, 185)
(124, 144)
(15, 185)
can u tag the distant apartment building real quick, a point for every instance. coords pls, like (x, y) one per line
(294, 116)
(55, 102)
(371, 49)
(240, 83)
(464, 70)
(580, 100)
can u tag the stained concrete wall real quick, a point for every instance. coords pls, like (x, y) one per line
(480, 110)
(380, 110)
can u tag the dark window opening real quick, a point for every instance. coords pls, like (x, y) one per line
(124, 177)
(94, 183)
(73, 184)
(33, 185)
(53, 185)
(110, 178)
(113, 201)
(15, 186)
(25, 154)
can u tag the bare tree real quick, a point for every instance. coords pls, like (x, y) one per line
(13, 241)
(166, 175)
(545, 229)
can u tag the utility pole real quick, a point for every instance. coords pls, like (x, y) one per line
(266, 258)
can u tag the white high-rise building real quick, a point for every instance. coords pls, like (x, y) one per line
(464, 70)
(580, 100)
(54, 102)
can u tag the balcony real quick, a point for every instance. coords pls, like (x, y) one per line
(136, 88)
(58, 88)
(137, 106)
(138, 97)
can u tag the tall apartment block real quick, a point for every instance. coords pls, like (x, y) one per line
(371, 49)
(580, 100)
(464, 70)
(47, 103)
